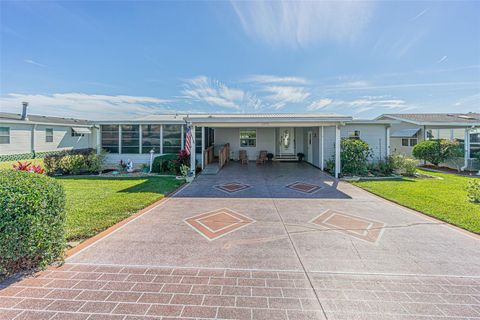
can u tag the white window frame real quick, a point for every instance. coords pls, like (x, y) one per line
(355, 134)
(254, 139)
(7, 135)
(48, 135)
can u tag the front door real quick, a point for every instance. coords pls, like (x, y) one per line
(287, 140)
(310, 147)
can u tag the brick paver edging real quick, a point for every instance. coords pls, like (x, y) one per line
(84, 291)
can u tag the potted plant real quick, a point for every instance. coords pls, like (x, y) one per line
(269, 156)
(300, 156)
(145, 168)
(186, 173)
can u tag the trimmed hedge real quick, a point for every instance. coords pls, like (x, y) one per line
(32, 221)
(74, 162)
(163, 163)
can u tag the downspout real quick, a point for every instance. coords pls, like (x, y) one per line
(34, 128)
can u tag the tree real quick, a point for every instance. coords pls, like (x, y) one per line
(437, 151)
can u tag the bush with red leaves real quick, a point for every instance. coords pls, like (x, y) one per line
(27, 166)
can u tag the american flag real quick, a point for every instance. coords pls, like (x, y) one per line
(188, 138)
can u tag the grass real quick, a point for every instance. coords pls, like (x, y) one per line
(96, 203)
(444, 199)
(9, 164)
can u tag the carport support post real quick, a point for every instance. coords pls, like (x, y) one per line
(466, 148)
(322, 160)
(203, 148)
(337, 151)
(98, 138)
(387, 151)
(192, 150)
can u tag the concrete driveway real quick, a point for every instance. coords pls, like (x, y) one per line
(281, 241)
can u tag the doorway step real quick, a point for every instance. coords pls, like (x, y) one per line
(285, 157)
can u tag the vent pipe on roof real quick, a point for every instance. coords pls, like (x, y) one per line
(24, 110)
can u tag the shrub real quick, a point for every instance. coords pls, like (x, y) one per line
(330, 166)
(354, 155)
(409, 167)
(403, 165)
(32, 220)
(437, 151)
(473, 190)
(75, 162)
(161, 163)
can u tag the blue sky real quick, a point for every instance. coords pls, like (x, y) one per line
(123, 59)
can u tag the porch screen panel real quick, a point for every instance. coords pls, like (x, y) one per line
(198, 139)
(130, 138)
(150, 138)
(110, 138)
(172, 138)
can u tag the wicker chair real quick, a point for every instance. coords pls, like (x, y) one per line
(262, 157)
(242, 156)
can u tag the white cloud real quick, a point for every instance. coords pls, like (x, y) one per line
(216, 93)
(301, 23)
(420, 14)
(442, 59)
(262, 78)
(87, 106)
(35, 63)
(281, 95)
(319, 104)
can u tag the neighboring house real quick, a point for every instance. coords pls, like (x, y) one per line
(415, 127)
(24, 135)
(317, 136)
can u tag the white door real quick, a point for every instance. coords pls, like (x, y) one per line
(287, 140)
(310, 147)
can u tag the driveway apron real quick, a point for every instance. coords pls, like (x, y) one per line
(275, 241)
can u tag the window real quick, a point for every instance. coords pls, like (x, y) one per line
(151, 138)
(404, 142)
(4, 135)
(354, 134)
(130, 138)
(413, 142)
(76, 134)
(248, 138)
(110, 138)
(172, 138)
(49, 135)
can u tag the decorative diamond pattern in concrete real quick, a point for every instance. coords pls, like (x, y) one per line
(304, 187)
(216, 224)
(232, 187)
(361, 228)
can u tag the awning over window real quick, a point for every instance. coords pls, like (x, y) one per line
(405, 133)
(80, 130)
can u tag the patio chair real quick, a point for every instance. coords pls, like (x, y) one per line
(262, 157)
(242, 156)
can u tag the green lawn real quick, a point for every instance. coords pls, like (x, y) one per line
(96, 203)
(9, 164)
(443, 199)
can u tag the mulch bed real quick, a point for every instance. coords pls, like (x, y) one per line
(449, 170)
